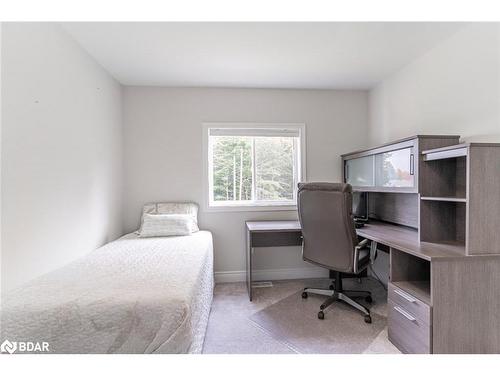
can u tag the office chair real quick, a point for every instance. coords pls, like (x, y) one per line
(329, 240)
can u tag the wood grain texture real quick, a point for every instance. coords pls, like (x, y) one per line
(397, 236)
(419, 307)
(406, 239)
(248, 263)
(268, 234)
(483, 200)
(442, 221)
(413, 337)
(460, 145)
(461, 177)
(441, 153)
(398, 208)
(271, 239)
(417, 288)
(460, 222)
(406, 267)
(273, 225)
(424, 175)
(443, 178)
(446, 140)
(466, 305)
(417, 143)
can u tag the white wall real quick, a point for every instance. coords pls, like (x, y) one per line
(61, 152)
(62, 141)
(163, 158)
(452, 89)
(1, 127)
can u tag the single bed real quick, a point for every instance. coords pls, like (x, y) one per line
(133, 295)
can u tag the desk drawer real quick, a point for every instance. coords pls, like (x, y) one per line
(409, 334)
(409, 303)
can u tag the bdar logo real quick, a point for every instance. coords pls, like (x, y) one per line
(8, 347)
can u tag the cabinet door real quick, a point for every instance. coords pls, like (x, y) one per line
(395, 169)
(360, 171)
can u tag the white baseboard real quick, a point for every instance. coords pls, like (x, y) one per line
(271, 274)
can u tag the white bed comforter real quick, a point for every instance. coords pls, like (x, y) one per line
(133, 295)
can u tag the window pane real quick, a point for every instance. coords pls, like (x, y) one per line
(393, 169)
(274, 161)
(232, 168)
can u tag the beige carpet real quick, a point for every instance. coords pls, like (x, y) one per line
(279, 321)
(293, 320)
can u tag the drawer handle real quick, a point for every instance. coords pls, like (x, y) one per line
(404, 313)
(406, 296)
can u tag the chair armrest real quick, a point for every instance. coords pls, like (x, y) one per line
(362, 243)
(358, 247)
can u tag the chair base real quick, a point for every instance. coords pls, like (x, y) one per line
(346, 296)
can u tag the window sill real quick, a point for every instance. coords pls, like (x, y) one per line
(244, 208)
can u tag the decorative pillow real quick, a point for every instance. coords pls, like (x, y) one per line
(171, 208)
(159, 225)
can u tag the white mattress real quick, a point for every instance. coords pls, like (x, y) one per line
(133, 295)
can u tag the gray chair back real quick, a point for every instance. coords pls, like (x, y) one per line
(329, 235)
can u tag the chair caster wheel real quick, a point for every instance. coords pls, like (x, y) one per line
(321, 315)
(369, 299)
(368, 319)
(304, 295)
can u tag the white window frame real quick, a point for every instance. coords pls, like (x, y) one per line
(251, 206)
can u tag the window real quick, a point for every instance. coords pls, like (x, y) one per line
(253, 165)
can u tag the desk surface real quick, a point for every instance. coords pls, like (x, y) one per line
(273, 226)
(406, 239)
(396, 236)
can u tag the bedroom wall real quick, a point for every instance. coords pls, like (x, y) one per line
(163, 159)
(452, 89)
(61, 152)
(1, 127)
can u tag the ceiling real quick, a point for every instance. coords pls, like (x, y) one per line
(262, 55)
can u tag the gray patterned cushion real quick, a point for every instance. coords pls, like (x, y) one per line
(186, 208)
(164, 225)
